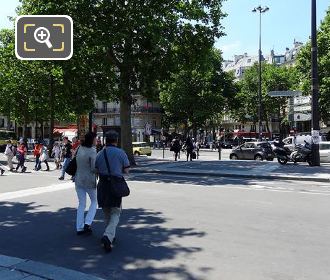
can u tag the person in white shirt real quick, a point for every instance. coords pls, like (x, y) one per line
(85, 182)
(10, 152)
(56, 152)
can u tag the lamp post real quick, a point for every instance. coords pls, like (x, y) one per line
(261, 10)
(315, 91)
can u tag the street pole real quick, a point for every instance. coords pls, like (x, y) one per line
(315, 91)
(261, 11)
(90, 121)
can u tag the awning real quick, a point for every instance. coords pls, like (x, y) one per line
(63, 130)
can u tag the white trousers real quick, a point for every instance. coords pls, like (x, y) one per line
(111, 219)
(81, 219)
(10, 162)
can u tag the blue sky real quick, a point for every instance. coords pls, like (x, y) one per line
(285, 21)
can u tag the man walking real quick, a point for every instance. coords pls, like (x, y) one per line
(111, 205)
(67, 154)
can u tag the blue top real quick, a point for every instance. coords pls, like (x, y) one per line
(118, 161)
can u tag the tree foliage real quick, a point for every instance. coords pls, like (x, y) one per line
(126, 47)
(304, 67)
(196, 92)
(273, 78)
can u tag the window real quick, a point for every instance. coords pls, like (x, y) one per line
(105, 106)
(253, 127)
(2, 122)
(105, 121)
(324, 146)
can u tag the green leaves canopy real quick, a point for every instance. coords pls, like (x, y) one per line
(304, 67)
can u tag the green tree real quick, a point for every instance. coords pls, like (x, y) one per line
(132, 42)
(197, 92)
(273, 78)
(304, 67)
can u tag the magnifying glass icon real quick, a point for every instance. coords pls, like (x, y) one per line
(41, 35)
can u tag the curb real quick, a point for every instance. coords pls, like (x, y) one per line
(15, 268)
(219, 175)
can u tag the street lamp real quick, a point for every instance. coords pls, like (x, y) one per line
(315, 91)
(261, 10)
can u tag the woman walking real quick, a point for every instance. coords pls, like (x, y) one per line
(56, 153)
(21, 153)
(189, 148)
(10, 152)
(43, 156)
(85, 182)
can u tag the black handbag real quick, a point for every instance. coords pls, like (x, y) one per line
(72, 166)
(118, 186)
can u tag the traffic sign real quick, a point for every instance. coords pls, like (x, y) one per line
(286, 93)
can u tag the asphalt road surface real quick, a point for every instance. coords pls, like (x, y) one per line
(174, 227)
(203, 154)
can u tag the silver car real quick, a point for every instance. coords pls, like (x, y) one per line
(253, 151)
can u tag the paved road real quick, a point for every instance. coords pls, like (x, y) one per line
(174, 227)
(204, 154)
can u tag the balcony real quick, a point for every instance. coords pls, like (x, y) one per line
(140, 109)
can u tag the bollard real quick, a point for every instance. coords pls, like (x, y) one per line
(219, 150)
(163, 150)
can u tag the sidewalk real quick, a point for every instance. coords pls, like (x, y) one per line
(17, 269)
(237, 169)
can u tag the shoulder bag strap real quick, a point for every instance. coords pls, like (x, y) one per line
(106, 160)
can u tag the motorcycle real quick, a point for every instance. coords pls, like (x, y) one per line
(282, 154)
(303, 153)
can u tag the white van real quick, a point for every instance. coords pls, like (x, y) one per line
(291, 141)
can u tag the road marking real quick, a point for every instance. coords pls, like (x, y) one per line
(252, 187)
(36, 191)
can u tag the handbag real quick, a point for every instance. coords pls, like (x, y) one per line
(118, 185)
(71, 169)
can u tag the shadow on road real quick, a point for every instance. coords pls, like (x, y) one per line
(145, 248)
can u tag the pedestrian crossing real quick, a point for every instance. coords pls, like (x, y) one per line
(29, 169)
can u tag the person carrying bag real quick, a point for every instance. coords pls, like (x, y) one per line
(111, 164)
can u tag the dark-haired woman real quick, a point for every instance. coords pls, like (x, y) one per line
(85, 181)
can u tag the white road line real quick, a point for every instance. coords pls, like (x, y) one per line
(36, 191)
(253, 187)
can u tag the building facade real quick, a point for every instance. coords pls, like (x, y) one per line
(146, 119)
(298, 118)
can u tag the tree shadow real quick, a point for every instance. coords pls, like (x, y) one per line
(145, 247)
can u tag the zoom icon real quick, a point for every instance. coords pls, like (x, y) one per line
(44, 37)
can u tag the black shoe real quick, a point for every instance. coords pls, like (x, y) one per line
(23, 169)
(2, 171)
(81, 232)
(88, 229)
(61, 178)
(106, 244)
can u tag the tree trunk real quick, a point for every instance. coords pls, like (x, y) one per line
(126, 128)
(125, 117)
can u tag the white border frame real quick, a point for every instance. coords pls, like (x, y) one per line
(40, 58)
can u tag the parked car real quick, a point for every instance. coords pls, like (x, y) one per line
(291, 141)
(226, 145)
(325, 151)
(141, 148)
(253, 151)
